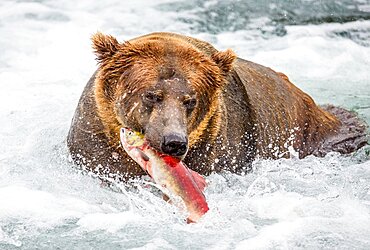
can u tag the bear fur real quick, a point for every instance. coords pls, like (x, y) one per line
(230, 110)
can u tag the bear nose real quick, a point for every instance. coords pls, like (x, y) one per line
(174, 145)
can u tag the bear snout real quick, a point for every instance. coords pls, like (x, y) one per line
(174, 144)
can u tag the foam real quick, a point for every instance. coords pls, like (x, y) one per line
(45, 63)
(40, 208)
(111, 222)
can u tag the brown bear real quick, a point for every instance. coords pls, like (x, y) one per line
(210, 108)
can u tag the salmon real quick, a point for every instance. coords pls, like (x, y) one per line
(169, 172)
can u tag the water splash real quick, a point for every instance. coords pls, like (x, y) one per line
(289, 203)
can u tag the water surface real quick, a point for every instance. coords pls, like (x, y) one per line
(45, 62)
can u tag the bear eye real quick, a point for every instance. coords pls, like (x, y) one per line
(153, 97)
(190, 102)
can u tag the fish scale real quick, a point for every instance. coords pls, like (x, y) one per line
(168, 172)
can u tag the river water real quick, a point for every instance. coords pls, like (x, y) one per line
(45, 61)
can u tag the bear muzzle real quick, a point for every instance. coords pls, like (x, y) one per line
(174, 144)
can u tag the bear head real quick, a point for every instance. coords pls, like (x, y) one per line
(166, 88)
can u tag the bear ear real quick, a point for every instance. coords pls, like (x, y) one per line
(224, 60)
(105, 46)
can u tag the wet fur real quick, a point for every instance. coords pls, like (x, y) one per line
(244, 110)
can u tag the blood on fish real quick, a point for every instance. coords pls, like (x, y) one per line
(168, 172)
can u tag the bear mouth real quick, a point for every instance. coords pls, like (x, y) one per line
(174, 145)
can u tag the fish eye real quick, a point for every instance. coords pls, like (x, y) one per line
(130, 133)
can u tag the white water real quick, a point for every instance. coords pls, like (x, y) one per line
(46, 203)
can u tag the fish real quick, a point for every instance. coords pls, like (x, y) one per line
(168, 172)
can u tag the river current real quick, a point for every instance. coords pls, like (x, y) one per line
(46, 60)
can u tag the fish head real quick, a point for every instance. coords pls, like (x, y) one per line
(131, 138)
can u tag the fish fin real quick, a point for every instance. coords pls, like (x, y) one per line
(143, 155)
(166, 198)
(189, 221)
(199, 180)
